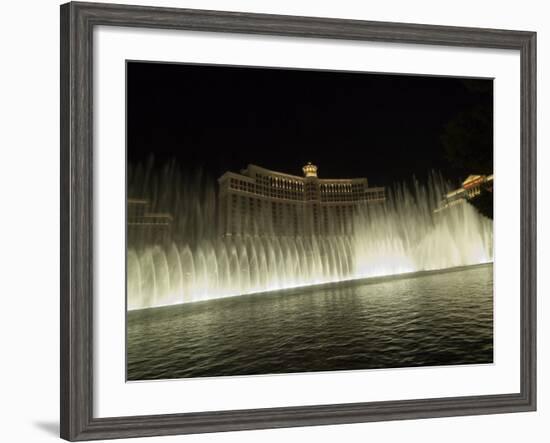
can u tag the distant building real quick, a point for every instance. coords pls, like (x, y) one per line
(139, 215)
(261, 201)
(473, 186)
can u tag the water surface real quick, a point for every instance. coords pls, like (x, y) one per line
(443, 318)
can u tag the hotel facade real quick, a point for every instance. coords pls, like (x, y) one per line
(472, 187)
(259, 201)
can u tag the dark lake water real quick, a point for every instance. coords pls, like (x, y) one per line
(443, 318)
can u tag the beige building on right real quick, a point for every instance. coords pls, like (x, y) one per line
(258, 201)
(471, 188)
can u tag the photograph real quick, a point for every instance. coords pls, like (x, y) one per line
(264, 222)
(294, 220)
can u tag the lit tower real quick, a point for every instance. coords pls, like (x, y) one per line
(313, 216)
(310, 170)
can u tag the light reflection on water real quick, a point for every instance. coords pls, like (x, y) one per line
(437, 319)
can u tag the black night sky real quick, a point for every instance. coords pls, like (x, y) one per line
(383, 127)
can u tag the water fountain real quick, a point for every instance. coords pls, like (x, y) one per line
(191, 262)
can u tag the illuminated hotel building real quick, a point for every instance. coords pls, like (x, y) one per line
(139, 215)
(471, 188)
(259, 201)
(144, 225)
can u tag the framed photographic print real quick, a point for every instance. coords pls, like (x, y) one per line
(273, 221)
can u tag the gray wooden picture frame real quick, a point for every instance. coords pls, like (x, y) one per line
(77, 23)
